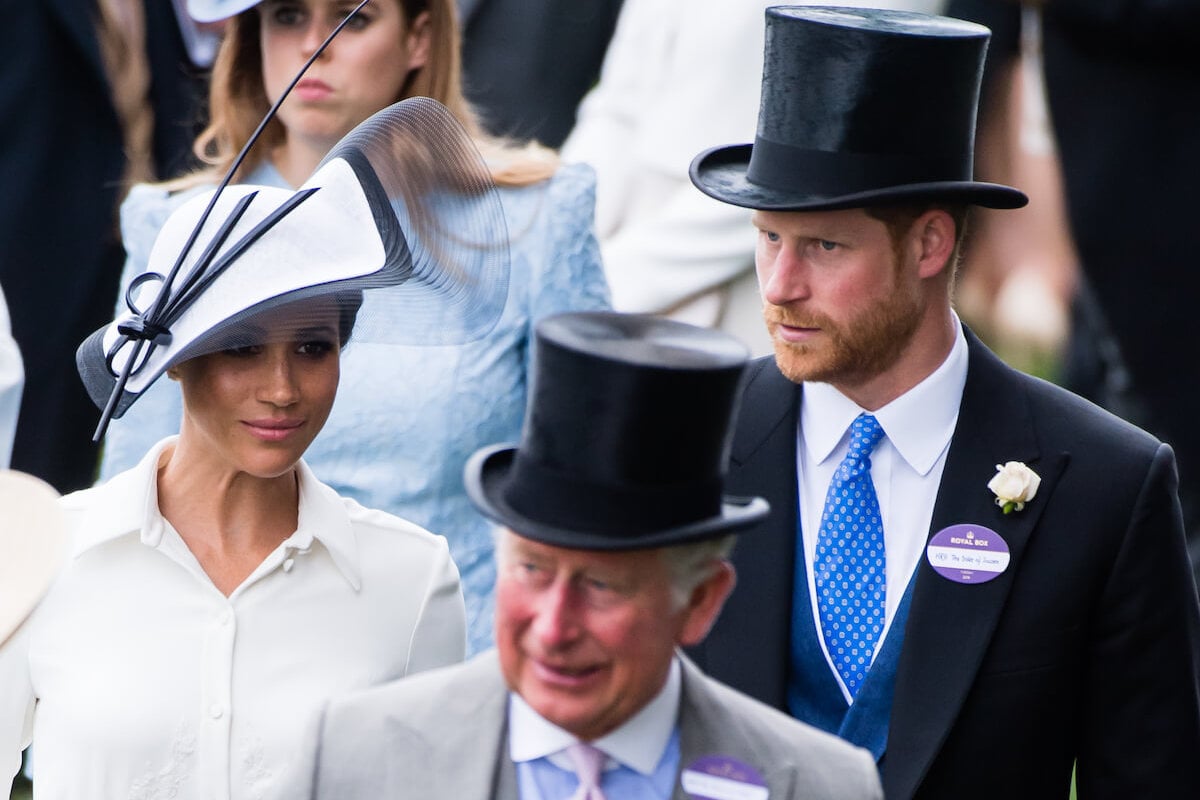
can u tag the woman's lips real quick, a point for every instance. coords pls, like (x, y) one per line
(312, 89)
(270, 430)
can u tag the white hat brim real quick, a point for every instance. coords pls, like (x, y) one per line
(33, 546)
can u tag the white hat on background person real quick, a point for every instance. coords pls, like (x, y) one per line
(33, 546)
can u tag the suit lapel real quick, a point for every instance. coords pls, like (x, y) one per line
(764, 446)
(950, 625)
(708, 727)
(469, 753)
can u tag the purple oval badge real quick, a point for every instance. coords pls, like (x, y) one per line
(723, 778)
(968, 553)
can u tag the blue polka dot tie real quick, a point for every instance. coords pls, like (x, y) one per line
(850, 560)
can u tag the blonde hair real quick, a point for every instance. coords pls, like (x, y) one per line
(238, 102)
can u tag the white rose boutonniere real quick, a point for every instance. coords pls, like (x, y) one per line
(1014, 485)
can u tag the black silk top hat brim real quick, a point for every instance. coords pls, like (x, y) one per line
(404, 206)
(859, 107)
(625, 440)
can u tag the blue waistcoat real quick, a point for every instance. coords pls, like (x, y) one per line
(813, 693)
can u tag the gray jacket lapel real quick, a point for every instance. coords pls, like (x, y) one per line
(709, 725)
(468, 750)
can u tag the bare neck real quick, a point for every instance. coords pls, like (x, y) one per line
(231, 521)
(296, 159)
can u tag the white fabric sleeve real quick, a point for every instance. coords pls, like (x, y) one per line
(440, 636)
(17, 703)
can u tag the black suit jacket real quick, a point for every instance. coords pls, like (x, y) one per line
(1087, 647)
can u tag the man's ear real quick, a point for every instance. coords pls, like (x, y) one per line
(933, 235)
(705, 604)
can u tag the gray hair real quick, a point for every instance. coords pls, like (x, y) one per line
(692, 564)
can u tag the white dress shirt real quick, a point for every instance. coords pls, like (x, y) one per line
(12, 382)
(906, 468)
(138, 679)
(638, 744)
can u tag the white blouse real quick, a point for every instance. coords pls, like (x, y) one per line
(138, 679)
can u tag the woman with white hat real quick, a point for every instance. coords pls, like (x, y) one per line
(403, 428)
(218, 593)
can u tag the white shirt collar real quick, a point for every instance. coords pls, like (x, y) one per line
(132, 508)
(918, 423)
(638, 743)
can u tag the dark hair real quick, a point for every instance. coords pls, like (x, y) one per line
(348, 305)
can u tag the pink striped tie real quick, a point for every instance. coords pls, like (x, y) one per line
(588, 762)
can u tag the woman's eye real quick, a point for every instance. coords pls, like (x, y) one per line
(243, 351)
(359, 21)
(317, 347)
(285, 15)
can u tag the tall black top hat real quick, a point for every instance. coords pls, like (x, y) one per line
(859, 107)
(625, 438)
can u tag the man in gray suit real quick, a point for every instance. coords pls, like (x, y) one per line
(613, 554)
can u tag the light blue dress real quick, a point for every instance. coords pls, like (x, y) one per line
(407, 417)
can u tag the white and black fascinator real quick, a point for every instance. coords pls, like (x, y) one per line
(403, 206)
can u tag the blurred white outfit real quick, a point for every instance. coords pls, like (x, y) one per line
(138, 679)
(12, 381)
(678, 80)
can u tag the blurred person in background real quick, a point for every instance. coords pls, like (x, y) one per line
(96, 93)
(403, 426)
(528, 63)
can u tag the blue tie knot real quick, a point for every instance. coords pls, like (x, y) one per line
(865, 433)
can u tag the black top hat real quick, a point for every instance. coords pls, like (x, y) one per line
(859, 107)
(625, 438)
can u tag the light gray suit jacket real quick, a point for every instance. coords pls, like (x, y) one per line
(442, 735)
